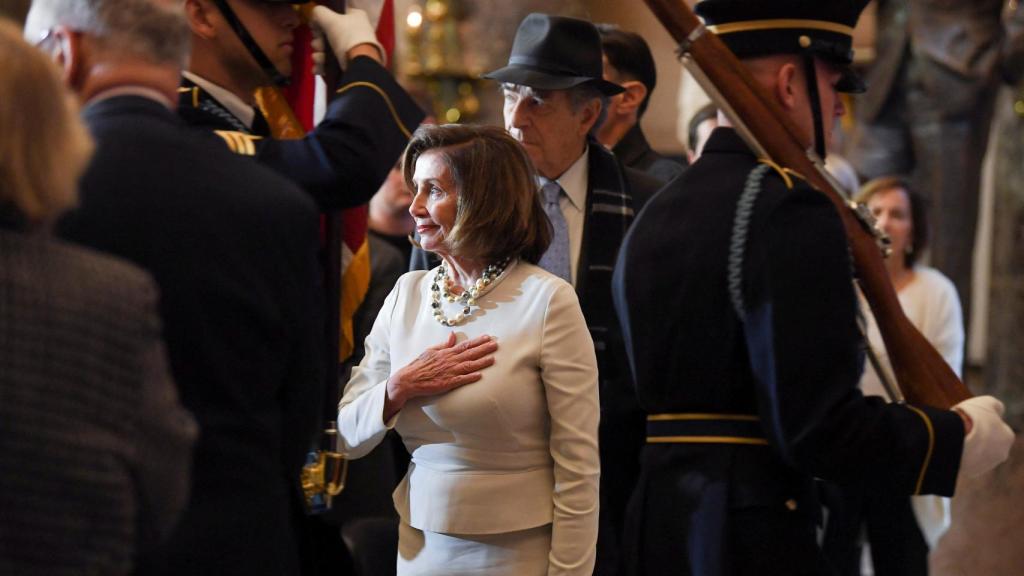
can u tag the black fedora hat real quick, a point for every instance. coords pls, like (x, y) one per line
(555, 53)
(764, 27)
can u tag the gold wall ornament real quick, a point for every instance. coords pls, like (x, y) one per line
(435, 59)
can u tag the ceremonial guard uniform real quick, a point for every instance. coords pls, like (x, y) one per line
(344, 160)
(735, 293)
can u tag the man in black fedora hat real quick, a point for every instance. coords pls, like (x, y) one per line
(744, 343)
(554, 98)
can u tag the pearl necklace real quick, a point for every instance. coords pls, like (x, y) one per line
(468, 297)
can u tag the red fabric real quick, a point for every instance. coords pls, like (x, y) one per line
(301, 92)
(386, 29)
(300, 95)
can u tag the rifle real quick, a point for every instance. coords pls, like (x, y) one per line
(921, 372)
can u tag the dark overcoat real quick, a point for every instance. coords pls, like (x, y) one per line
(233, 248)
(635, 152)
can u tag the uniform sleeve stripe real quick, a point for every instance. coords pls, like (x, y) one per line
(226, 136)
(387, 100)
(238, 142)
(931, 447)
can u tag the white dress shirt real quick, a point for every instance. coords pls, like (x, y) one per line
(574, 205)
(515, 450)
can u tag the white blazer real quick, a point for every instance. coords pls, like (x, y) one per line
(515, 450)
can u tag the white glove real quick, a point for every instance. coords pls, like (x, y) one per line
(343, 32)
(373, 8)
(990, 439)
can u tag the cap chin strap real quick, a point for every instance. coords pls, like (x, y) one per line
(250, 44)
(815, 97)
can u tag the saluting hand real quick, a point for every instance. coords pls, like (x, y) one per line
(439, 369)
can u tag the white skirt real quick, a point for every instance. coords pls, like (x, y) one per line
(520, 553)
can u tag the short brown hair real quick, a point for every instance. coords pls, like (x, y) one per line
(918, 211)
(499, 213)
(44, 147)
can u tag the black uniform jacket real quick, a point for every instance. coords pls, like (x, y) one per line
(634, 151)
(706, 508)
(233, 249)
(346, 157)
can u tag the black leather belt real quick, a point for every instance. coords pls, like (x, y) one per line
(693, 428)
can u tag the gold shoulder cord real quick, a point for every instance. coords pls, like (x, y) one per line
(786, 173)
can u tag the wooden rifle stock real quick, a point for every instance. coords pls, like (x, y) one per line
(921, 372)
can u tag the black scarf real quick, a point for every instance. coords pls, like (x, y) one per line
(609, 213)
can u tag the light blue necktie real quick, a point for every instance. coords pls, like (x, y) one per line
(556, 259)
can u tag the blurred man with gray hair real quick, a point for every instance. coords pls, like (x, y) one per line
(233, 248)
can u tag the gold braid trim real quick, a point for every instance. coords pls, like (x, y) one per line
(786, 173)
(699, 416)
(931, 447)
(706, 440)
(195, 94)
(387, 100)
(781, 24)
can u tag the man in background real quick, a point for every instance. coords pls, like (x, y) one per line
(628, 63)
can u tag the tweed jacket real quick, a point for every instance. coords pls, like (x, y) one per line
(95, 448)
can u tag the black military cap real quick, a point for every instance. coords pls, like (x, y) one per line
(763, 27)
(555, 53)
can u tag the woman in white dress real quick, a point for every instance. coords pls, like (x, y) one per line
(485, 367)
(900, 534)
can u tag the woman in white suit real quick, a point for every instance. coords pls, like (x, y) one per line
(486, 368)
